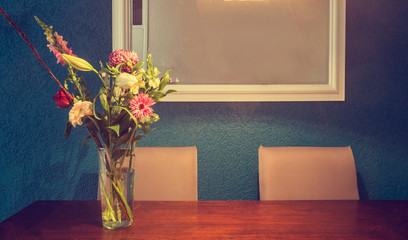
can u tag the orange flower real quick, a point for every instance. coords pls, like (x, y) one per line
(78, 111)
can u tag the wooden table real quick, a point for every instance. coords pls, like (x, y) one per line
(215, 220)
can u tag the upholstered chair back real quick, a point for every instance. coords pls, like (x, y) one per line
(307, 173)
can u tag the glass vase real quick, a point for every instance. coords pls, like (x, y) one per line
(115, 190)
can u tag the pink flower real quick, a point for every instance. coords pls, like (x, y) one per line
(78, 111)
(63, 45)
(57, 54)
(121, 56)
(62, 100)
(141, 106)
(169, 80)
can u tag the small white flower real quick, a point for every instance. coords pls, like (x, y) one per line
(154, 83)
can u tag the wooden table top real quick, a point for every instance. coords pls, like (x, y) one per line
(215, 220)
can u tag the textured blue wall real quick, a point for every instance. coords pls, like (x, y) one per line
(38, 163)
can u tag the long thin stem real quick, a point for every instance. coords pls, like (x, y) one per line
(34, 51)
(77, 84)
(123, 200)
(103, 81)
(112, 216)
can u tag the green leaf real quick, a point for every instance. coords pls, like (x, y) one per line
(66, 84)
(118, 154)
(171, 91)
(68, 128)
(118, 118)
(83, 84)
(149, 62)
(164, 82)
(156, 96)
(104, 135)
(168, 72)
(145, 121)
(104, 101)
(137, 66)
(154, 117)
(145, 128)
(111, 71)
(115, 128)
(94, 122)
(122, 140)
(126, 123)
(119, 66)
(127, 110)
(93, 108)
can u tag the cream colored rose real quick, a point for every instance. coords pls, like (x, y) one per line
(126, 80)
(78, 111)
(129, 81)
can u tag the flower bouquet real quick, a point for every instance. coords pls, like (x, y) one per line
(116, 118)
(126, 97)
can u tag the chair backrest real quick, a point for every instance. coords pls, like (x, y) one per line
(165, 174)
(307, 173)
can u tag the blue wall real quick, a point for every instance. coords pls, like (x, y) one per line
(38, 163)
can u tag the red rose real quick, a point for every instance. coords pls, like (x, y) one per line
(62, 100)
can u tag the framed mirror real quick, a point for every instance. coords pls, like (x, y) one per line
(240, 50)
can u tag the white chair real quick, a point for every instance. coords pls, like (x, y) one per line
(165, 174)
(307, 173)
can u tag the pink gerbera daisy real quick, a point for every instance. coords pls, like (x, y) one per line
(141, 106)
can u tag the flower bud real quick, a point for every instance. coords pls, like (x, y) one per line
(78, 63)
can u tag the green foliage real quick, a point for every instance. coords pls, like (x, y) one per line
(165, 80)
(115, 128)
(116, 125)
(137, 66)
(103, 98)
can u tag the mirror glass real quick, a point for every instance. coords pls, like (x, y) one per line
(243, 50)
(241, 42)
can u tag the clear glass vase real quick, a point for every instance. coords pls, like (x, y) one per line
(115, 190)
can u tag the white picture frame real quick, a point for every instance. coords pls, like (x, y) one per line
(334, 90)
